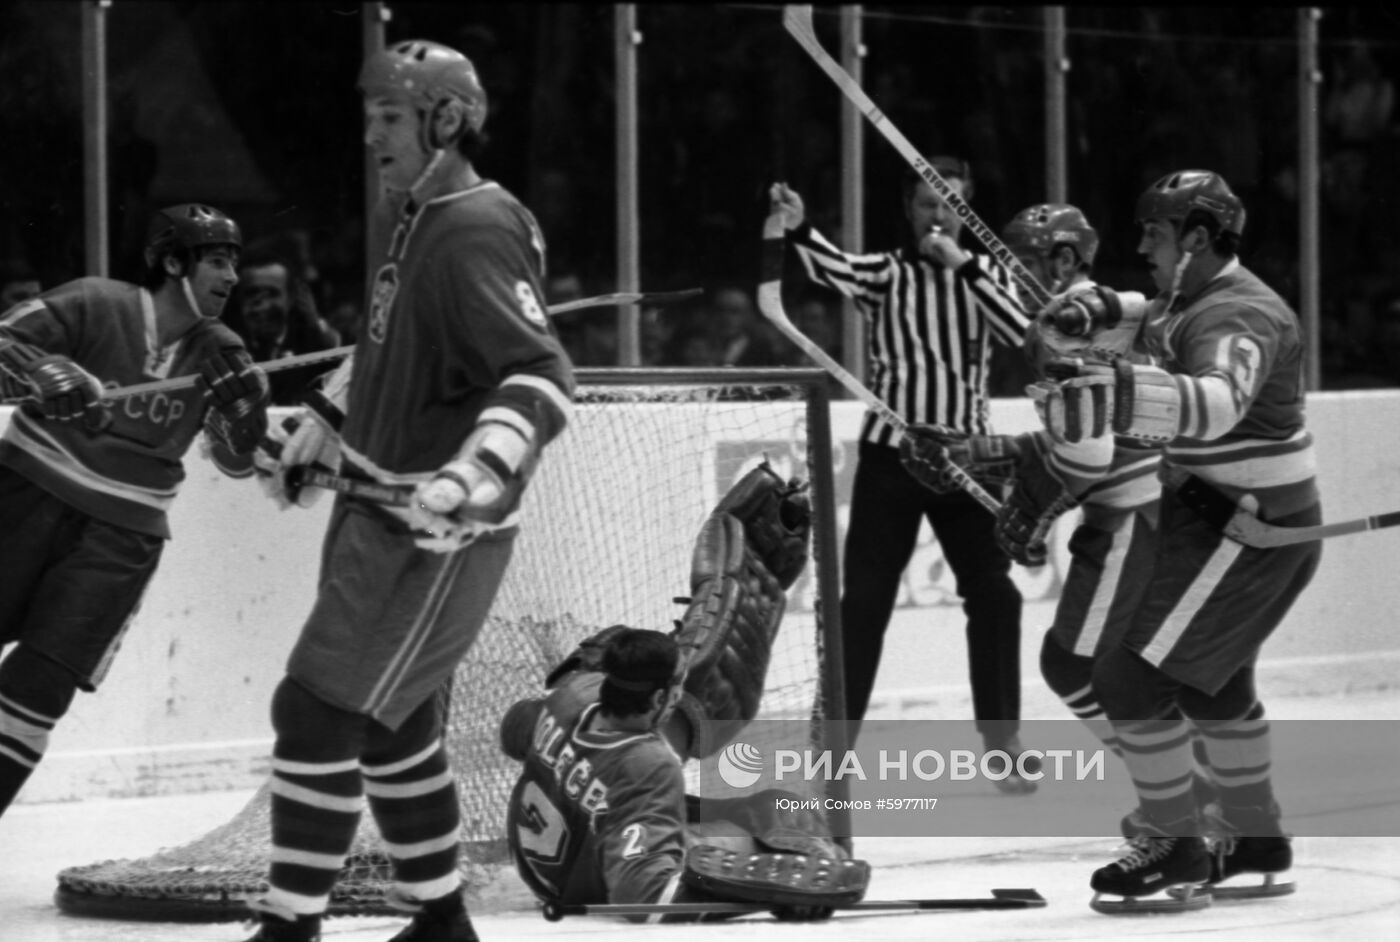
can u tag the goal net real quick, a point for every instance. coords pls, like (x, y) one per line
(609, 523)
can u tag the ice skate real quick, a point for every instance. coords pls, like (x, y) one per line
(1014, 783)
(275, 929)
(1154, 864)
(1249, 844)
(439, 920)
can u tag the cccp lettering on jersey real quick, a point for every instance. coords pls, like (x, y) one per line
(154, 407)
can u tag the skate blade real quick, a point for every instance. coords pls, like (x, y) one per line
(1275, 884)
(1182, 898)
(1015, 785)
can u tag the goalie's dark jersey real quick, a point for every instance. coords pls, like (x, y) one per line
(129, 473)
(596, 817)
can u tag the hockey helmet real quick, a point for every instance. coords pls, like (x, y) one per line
(1044, 227)
(428, 74)
(186, 227)
(1176, 194)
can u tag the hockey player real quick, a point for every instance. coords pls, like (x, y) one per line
(1113, 544)
(1227, 405)
(456, 386)
(84, 487)
(599, 813)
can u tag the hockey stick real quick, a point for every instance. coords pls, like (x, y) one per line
(390, 495)
(1000, 899)
(798, 21)
(625, 297)
(189, 379)
(1251, 531)
(1243, 526)
(770, 303)
(335, 353)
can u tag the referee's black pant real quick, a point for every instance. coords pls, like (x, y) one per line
(887, 506)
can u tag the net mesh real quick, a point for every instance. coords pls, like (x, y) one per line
(609, 525)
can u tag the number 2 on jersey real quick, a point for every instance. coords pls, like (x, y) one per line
(634, 841)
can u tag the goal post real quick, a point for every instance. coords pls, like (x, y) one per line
(608, 527)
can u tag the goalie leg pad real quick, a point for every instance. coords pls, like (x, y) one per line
(776, 879)
(749, 551)
(726, 635)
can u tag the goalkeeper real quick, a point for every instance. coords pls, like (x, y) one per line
(600, 814)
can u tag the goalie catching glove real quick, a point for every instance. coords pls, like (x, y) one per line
(935, 455)
(749, 551)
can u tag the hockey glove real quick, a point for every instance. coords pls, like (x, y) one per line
(588, 656)
(236, 392)
(933, 455)
(471, 492)
(57, 386)
(1088, 399)
(1036, 500)
(1085, 312)
(299, 440)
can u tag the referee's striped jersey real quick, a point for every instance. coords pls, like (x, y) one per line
(930, 329)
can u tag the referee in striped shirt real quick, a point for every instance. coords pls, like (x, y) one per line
(933, 311)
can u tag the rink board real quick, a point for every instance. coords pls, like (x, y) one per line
(185, 707)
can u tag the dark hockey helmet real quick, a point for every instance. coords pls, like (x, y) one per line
(1176, 194)
(188, 226)
(1044, 227)
(428, 74)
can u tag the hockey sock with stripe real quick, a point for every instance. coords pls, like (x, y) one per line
(1159, 759)
(1241, 761)
(414, 802)
(35, 692)
(317, 798)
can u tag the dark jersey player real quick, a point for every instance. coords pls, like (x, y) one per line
(85, 485)
(456, 386)
(600, 812)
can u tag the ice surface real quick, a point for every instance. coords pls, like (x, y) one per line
(1347, 887)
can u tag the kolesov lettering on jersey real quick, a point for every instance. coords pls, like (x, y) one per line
(574, 772)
